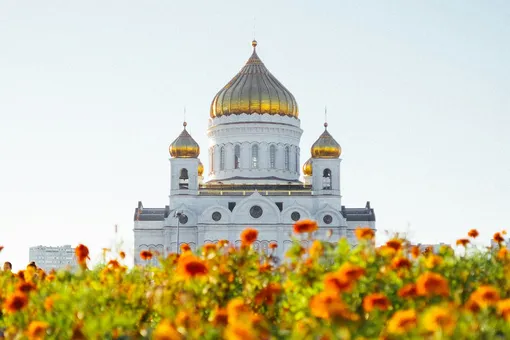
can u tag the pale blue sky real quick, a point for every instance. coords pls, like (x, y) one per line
(91, 95)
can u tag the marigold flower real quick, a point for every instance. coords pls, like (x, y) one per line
(439, 318)
(328, 305)
(219, 317)
(385, 251)
(222, 243)
(82, 253)
(336, 283)
(402, 321)
(305, 226)
(240, 331)
(15, 302)
(191, 266)
(408, 291)
(267, 294)
(498, 238)
(430, 284)
(37, 330)
(185, 247)
(375, 301)
(364, 233)
(166, 331)
(433, 261)
(316, 249)
(473, 306)
(25, 287)
(209, 247)
(350, 271)
(1, 248)
(485, 295)
(395, 244)
(503, 253)
(146, 255)
(265, 267)
(236, 307)
(248, 236)
(401, 263)
(273, 245)
(415, 251)
(503, 308)
(50, 301)
(122, 255)
(463, 242)
(473, 233)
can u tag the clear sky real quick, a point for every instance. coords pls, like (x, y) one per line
(92, 93)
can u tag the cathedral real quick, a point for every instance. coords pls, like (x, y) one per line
(253, 178)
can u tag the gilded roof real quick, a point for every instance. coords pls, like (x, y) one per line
(184, 146)
(254, 90)
(326, 146)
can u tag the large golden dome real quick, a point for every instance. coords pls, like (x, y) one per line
(326, 146)
(254, 90)
(184, 146)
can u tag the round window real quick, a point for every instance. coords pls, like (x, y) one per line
(295, 216)
(256, 211)
(183, 219)
(216, 216)
(328, 219)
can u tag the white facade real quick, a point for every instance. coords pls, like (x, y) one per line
(253, 178)
(48, 258)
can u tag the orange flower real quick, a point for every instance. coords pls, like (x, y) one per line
(337, 283)
(207, 248)
(122, 255)
(408, 291)
(146, 255)
(1, 248)
(473, 306)
(15, 302)
(502, 253)
(402, 321)
(37, 330)
(433, 261)
(50, 301)
(463, 242)
(166, 331)
(222, 243)
(185, 247)
(248, 236)
(305, 226)
(430, 284)
(82, 253)
(240, 331)
(350, 271)
(328, 305)
(503, 307)
(415, 251)
(401, 263)
(191, 266)
(375, 301)
(395, 244)
(485, 295)
(220, 317)
(265, 267)
(273, 245)
(498, 238)
(25, 287)
(439, 319)
(316, 249)
(364, 233)
(267, 294)
(236, 307)
(473, 233)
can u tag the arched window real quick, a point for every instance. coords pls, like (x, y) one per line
(183, 179)
(272, 156)
(211, 160)
(222, 158)
(237, 156)
(326, 179)
(287, 158)
(297, 160)
(255, 156)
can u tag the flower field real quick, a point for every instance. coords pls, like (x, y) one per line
(328, 291)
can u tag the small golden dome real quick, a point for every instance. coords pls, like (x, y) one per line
(326, 146)
(200, 168)
(307, 168)
(254, 90)
(184, 146)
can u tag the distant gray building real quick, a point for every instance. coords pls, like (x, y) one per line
(48, 258)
